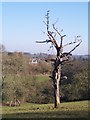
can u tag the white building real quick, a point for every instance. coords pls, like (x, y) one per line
(34, 61)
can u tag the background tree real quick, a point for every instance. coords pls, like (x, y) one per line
(61, 57)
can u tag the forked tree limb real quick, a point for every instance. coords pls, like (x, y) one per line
(61, 36)
(56, 30)
(69, 53)
(49, 33)
(52, 39)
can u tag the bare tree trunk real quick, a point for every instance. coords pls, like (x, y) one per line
(56, 81)
(61, 56)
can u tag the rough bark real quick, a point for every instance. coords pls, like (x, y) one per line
(56, 80)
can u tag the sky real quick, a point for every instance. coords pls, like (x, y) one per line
(22, 25)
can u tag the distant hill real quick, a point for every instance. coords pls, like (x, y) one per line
(45, 55)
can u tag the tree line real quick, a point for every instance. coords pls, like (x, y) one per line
(30, 82)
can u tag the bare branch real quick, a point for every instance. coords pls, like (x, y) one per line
(62, 40)
(65, 54)
(65, 57)
(78, 36)
(47, 17)
(56, 21)
(75, 47)
(62, 30)
(54, 35)
(43, 32)
(53, 40)
(64, 77)
(71, 43)
(56, 29)
(50, 60)
(44, 23)
(59, 35)
(50, 34)
(50, 47)
(47, 41)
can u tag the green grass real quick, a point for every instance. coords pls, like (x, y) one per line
(65, 110)
(41, 77)
(38, 78)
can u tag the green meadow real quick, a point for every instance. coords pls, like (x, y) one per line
(77, 110)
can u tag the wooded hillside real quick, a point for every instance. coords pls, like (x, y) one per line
(30, 82)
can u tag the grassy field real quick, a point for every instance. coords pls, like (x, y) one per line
(65, 110)
(40, 78)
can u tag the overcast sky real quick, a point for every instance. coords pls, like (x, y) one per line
(22, 24)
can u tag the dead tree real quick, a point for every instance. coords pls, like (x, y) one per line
(61, 57)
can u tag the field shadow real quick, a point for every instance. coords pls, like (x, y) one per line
(69, 115)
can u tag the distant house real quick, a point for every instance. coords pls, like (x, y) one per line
(34, 61)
